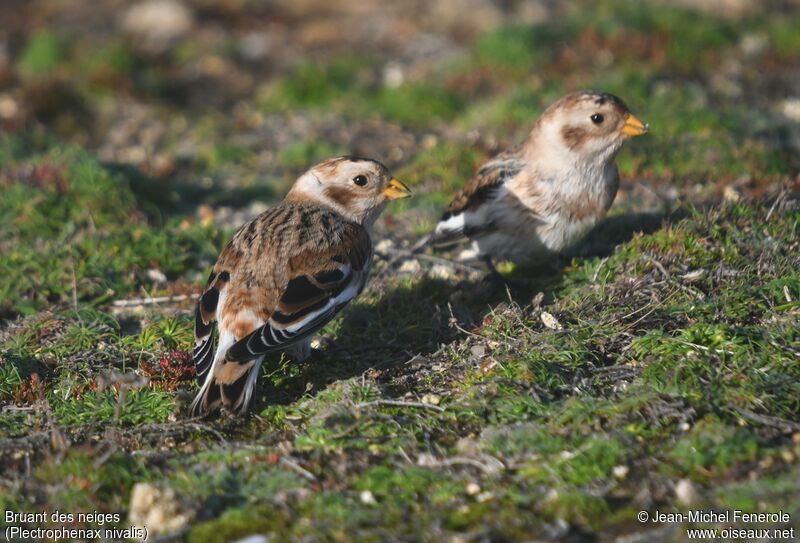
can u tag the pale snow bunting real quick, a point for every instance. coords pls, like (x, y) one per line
(285, 274)
(547, 193)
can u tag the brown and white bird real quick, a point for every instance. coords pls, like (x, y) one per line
(547, 193)
(285, 274)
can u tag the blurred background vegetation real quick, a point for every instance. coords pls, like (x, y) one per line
(154, 111)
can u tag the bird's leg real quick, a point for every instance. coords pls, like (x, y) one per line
(493, 273)
(495, 277)
(300, 352)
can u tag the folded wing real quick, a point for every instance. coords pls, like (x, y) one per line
(466, 215)
(322, 284)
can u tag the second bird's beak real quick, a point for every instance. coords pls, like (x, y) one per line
(634, 127)
(396, 190)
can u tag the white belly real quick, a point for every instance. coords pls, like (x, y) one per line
(532, 242)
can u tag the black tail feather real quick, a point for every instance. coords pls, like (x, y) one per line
(234, 395)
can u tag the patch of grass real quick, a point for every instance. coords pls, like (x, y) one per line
(226, 153)
(315, 84)
(769, 492)
(417, 104)
(137, 407)
(229, 479)
(71, 231)
(43, 53)
(239, 523)
(516, 51)
(10, 379)
(712, 448)
(79, 483)
(437, 173)
(299, 155)
(782, 38)
(347, 84)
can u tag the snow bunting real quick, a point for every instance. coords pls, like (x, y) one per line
(285, 274)
(547, 193)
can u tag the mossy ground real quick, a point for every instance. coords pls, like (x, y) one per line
(671, 351)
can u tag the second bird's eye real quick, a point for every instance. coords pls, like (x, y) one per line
(597, 118)
(360, 180)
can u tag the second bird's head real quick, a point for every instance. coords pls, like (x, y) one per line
(587, 125)
(357, 188)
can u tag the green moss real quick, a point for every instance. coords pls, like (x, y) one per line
(237, 524)
(79, 483)
(42, 54)
(71, 229)
(227, 153)
(137, 407)
(417, 104)
(782, 36)
(712, 447)
(315, 84)
(517, 50)
(300, 155)
(767, 493)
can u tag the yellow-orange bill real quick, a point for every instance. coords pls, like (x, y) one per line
(396, 190)
(634, 127)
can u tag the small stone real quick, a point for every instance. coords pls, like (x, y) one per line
(158, 509)
(478, 351)
(431, 399)
(467, 445)
(8, 107)
(429, 141)
(791, 109)
(254, 45)
(410, 266)
(367, 497)
(158, 22)
(566, 455)
(393, 75)
(156, 276)
(730, 194)
(686, 492)
(754, 44)
(384, 246)
(441, 271)
(473, 489)
(620, 472)
(550, 321)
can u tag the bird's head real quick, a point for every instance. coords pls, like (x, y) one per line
(357, 188)
(587, 126)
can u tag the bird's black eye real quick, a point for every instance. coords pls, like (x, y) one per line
(360, 180)
(597, 118)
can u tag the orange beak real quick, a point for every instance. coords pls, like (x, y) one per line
(634, 127)
(396, 190)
